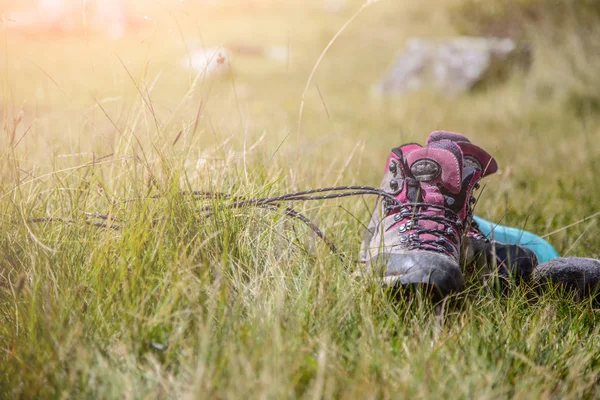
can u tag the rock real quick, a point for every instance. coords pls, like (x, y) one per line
(214, 61)
(577, 274)
(454, 65)
(210, 60)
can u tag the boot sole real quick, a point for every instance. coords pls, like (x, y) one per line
(433, 281)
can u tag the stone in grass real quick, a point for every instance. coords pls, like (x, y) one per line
(209, 61)
(577, 274)
(453, 65)
(214, 61)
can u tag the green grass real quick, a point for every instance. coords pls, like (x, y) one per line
(248, 303)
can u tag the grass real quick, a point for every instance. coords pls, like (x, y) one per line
(248, 303)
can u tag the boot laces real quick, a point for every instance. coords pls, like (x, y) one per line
(450, 226)
(416, 211)
(275, 203)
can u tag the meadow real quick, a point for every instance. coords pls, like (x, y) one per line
(157, 301)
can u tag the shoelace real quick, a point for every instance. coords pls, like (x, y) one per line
(274, 203)
(450, 221)
(270, 203)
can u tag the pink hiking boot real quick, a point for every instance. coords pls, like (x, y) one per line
(479, 255)
(416, 240)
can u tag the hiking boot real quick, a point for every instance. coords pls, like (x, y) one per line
(393, 175)
(415, 234)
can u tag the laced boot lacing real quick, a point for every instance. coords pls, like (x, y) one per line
(410, 231)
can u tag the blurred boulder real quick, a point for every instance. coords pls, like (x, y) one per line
(209, 61)
(454, 65)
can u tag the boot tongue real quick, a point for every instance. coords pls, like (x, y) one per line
(437, 164)
(413, 190)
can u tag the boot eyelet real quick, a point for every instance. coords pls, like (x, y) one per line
(397, 217)
(403, 239)
(394, 185)
(402, 228)
(393, 167)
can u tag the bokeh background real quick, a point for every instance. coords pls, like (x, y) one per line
(78, 75)
(111, 108)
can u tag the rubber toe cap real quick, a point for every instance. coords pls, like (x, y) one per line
(420, 267)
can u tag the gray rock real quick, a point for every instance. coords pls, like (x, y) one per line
(454, 65)
(208, 61)
(578, 274)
